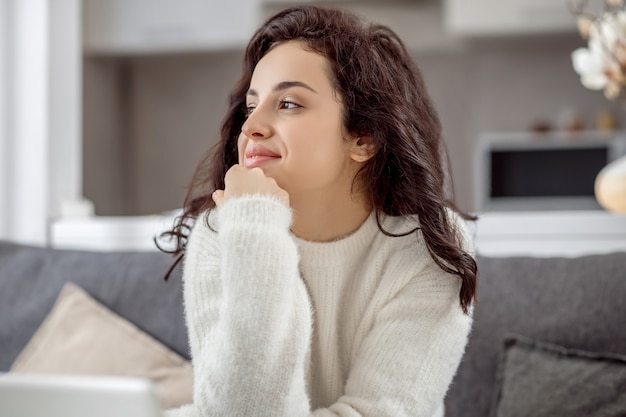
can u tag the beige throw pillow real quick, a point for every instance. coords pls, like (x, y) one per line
(80, 336)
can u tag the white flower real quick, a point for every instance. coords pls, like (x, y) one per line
(600, 64)
(590, 63)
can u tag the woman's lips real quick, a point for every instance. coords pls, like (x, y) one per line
(257, 155)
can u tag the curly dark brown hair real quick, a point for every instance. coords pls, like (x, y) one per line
(384, 98)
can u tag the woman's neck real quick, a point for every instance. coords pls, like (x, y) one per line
(324, 220)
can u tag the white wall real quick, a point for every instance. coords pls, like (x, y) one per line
(39, 92)
(5, 168)
(25, 197)
(65, 108)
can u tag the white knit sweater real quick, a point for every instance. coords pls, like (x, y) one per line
(367, 325)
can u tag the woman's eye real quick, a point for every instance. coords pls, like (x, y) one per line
(285, 104)
(249, 109)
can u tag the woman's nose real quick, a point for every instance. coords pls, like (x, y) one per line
(257, 126)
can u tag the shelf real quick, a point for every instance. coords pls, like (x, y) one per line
(551, 233)
(552, 140)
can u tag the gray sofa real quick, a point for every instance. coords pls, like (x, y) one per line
(128, 283)
(577, 304)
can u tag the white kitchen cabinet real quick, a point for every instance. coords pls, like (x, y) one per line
(507, 17)
(135, 27)
(165, 26)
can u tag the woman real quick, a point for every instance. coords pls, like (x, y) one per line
(326, 274)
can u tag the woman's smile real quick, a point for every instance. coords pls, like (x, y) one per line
(257, 155)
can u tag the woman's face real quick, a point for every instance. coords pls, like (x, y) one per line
(294, 129)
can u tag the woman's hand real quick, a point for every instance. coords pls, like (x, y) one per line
(242, 181)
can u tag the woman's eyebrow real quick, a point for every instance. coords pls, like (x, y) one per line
(283, 85)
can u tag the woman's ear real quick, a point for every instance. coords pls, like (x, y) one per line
(362, 149)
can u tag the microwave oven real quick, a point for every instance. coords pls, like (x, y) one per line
(543, 171)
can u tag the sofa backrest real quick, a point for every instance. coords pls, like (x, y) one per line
(129, 283)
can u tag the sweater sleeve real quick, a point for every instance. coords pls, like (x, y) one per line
(248, 314)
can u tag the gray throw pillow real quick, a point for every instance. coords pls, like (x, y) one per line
(545, 380)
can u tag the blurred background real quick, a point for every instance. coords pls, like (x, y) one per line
(107, 106)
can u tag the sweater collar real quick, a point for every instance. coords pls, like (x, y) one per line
(346, 246)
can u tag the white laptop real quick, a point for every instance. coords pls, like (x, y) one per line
(29, 395)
